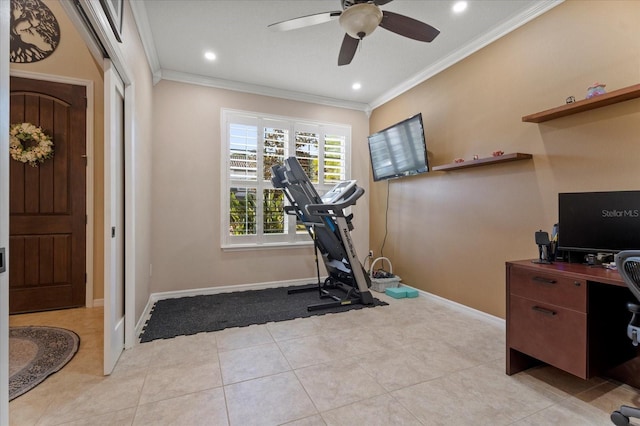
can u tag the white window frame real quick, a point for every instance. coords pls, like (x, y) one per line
(292, 125)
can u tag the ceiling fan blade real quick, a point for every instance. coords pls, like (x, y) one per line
(348, 50)
(381, 2)
(304, 21)
(408, 27)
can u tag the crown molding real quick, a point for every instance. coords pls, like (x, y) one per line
(139, 11)
(260, 90)
(501, 30)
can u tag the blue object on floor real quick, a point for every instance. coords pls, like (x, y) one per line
(411, 292)
(396, 292)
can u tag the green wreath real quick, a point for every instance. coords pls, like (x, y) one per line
(40, 145)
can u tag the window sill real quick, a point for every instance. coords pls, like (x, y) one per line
(266, 246)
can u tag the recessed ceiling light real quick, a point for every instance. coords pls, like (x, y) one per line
(356, 86)
(459, 6)
(210, 56)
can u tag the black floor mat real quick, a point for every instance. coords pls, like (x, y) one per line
(196, 314)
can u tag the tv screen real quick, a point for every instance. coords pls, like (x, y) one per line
(599, 221)
(399, 150)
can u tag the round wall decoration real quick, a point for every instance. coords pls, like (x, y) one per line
(29, 144)
(34, 31)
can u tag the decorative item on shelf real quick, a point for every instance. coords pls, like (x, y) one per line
(570, 99)
(497, 153)
(475, 157)
(460, 164)
(595, 89)
(28, 144)
(603, 100)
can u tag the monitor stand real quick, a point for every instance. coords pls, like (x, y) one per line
(580, 257)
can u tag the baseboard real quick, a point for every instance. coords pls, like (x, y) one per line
(461, 308)
(146, 313)
(154, 297)
(97, 303)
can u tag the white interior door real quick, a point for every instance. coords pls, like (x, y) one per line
(114, 282)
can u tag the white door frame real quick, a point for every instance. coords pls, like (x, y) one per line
(5, 10)
(129, 219)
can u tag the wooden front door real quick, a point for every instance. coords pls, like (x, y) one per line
(47, 203)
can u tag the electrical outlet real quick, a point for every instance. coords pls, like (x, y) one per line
(370, 253)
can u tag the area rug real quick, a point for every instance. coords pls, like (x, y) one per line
(35, 353)
(196, 314)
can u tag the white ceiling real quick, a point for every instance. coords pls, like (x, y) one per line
(302, 64)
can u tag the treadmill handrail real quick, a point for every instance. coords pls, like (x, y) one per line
(323, 209)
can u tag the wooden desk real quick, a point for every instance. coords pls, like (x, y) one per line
(568, 315)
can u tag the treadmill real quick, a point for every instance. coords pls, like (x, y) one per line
(325, 220)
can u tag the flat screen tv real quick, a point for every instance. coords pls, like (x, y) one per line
(595, 222)
(399, 150)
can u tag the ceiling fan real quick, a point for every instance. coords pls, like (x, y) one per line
(359, 18)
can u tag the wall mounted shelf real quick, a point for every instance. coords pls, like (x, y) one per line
(610, 98)
(517, 156)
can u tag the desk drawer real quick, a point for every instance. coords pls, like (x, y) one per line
(552, 334)
(549, 288)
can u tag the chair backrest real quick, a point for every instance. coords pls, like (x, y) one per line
(628, 264)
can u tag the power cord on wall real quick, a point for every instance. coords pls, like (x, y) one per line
(380, 273)
(386, 216)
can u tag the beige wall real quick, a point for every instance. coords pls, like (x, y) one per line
(72, 59)
(140, 95)
(186, 190)
(451, 232)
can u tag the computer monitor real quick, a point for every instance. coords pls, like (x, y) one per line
(596, 222)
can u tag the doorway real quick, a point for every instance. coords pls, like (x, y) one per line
(48, 203)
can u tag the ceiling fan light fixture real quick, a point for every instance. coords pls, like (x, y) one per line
(361, 19)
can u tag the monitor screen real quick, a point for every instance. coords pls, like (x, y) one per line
(599, 221)
(399, 150)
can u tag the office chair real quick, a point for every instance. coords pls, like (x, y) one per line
(628, 264)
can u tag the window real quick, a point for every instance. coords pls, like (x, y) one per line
(252, 209)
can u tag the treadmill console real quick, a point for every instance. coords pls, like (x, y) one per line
(339, 191)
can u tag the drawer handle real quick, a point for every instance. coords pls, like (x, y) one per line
(544, 311)
(544, 280)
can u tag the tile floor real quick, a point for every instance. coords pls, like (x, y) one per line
(415, 362)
